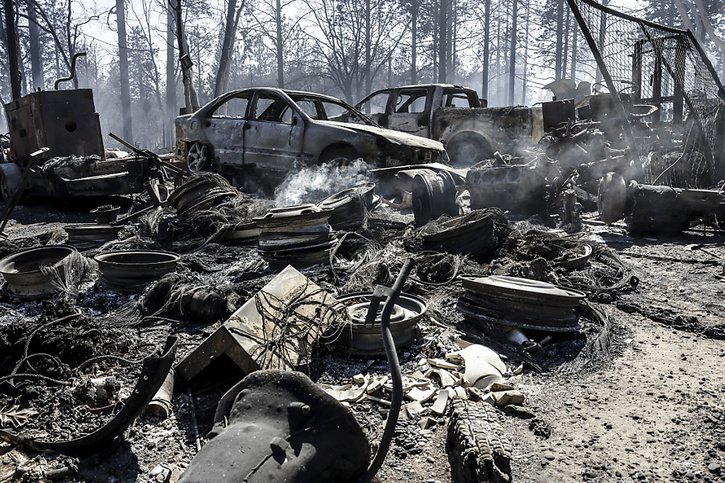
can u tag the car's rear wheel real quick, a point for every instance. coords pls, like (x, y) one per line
(339, 155)
(199, 157)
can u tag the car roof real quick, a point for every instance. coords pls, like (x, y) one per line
(424, 86)
(291, 93)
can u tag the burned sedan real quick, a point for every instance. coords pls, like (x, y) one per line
(270, 129)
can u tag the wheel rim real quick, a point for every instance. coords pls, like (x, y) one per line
(197, 157)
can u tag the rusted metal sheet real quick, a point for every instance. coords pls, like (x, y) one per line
(64, 121)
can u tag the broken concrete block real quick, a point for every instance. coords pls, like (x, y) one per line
(275, 329)
(441, 402)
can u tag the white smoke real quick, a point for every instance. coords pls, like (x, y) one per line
(314, 183)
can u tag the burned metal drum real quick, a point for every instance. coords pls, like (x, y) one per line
(23, 270)
(134, 269)
(357, 338)
(434, 195)
(519, 302)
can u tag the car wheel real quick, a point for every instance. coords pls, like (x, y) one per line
(199, 157)
(468, 148)
(339, 156)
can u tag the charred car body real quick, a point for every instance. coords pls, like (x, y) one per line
(272, 130)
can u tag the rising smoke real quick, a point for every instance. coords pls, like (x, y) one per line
(311, 184)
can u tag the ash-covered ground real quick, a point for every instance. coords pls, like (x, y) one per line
(636, 395)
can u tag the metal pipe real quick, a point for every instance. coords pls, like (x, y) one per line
(395, 373)
(72, 70)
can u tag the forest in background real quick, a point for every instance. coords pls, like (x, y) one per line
(506, 49)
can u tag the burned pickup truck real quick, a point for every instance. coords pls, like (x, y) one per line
(271, 130)
(456, 116)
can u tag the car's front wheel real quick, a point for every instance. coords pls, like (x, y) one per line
(199, 157)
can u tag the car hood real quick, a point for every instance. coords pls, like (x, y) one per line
(394, 137)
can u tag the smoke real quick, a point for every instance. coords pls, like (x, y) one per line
(314, 183)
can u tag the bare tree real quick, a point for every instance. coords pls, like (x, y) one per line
(123, 70)
(230, 30)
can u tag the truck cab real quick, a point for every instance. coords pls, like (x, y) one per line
(411, 109)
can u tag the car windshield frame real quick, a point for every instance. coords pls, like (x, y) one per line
(331, 100)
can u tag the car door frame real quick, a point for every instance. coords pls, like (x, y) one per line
(228, 156)
(278, 158)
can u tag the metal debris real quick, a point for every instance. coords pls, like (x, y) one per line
(358, 337)
(296, 235)
(23, 271)
(521, 303)
(134, 269)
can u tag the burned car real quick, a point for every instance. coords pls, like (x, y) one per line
(271, 129)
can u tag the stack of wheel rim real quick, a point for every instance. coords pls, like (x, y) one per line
(299, 235)
(434, 195)
(201, 192)
(350, 207)
(519, 303)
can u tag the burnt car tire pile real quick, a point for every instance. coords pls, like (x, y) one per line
(201, 192)
(350, 207)
(520, 303)
(480, 233)
(300, 236)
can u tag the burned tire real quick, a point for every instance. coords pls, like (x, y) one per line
(199, 157)
(340, 155)
(468, 148)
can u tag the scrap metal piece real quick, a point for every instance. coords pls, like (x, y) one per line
(282, 427)
(23, 270)
(153, 373)
(612, 197)
(357, 337)
(477, 446)
(275, 329)
(134, 269)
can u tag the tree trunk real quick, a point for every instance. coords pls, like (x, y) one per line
(442, 41)
(187, 71)
(280, 44)
(368, 39)
(565, 49)
(36, 63)
(414, 41)
(512, 51)
(123, 70)
(486, 53)
(559, 38)
(574, 53)
(525, 77)
(222, 74)
(12, 46)
(171, 111)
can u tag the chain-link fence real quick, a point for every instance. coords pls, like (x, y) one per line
(646, 63)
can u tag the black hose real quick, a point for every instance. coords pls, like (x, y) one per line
(395, 373)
